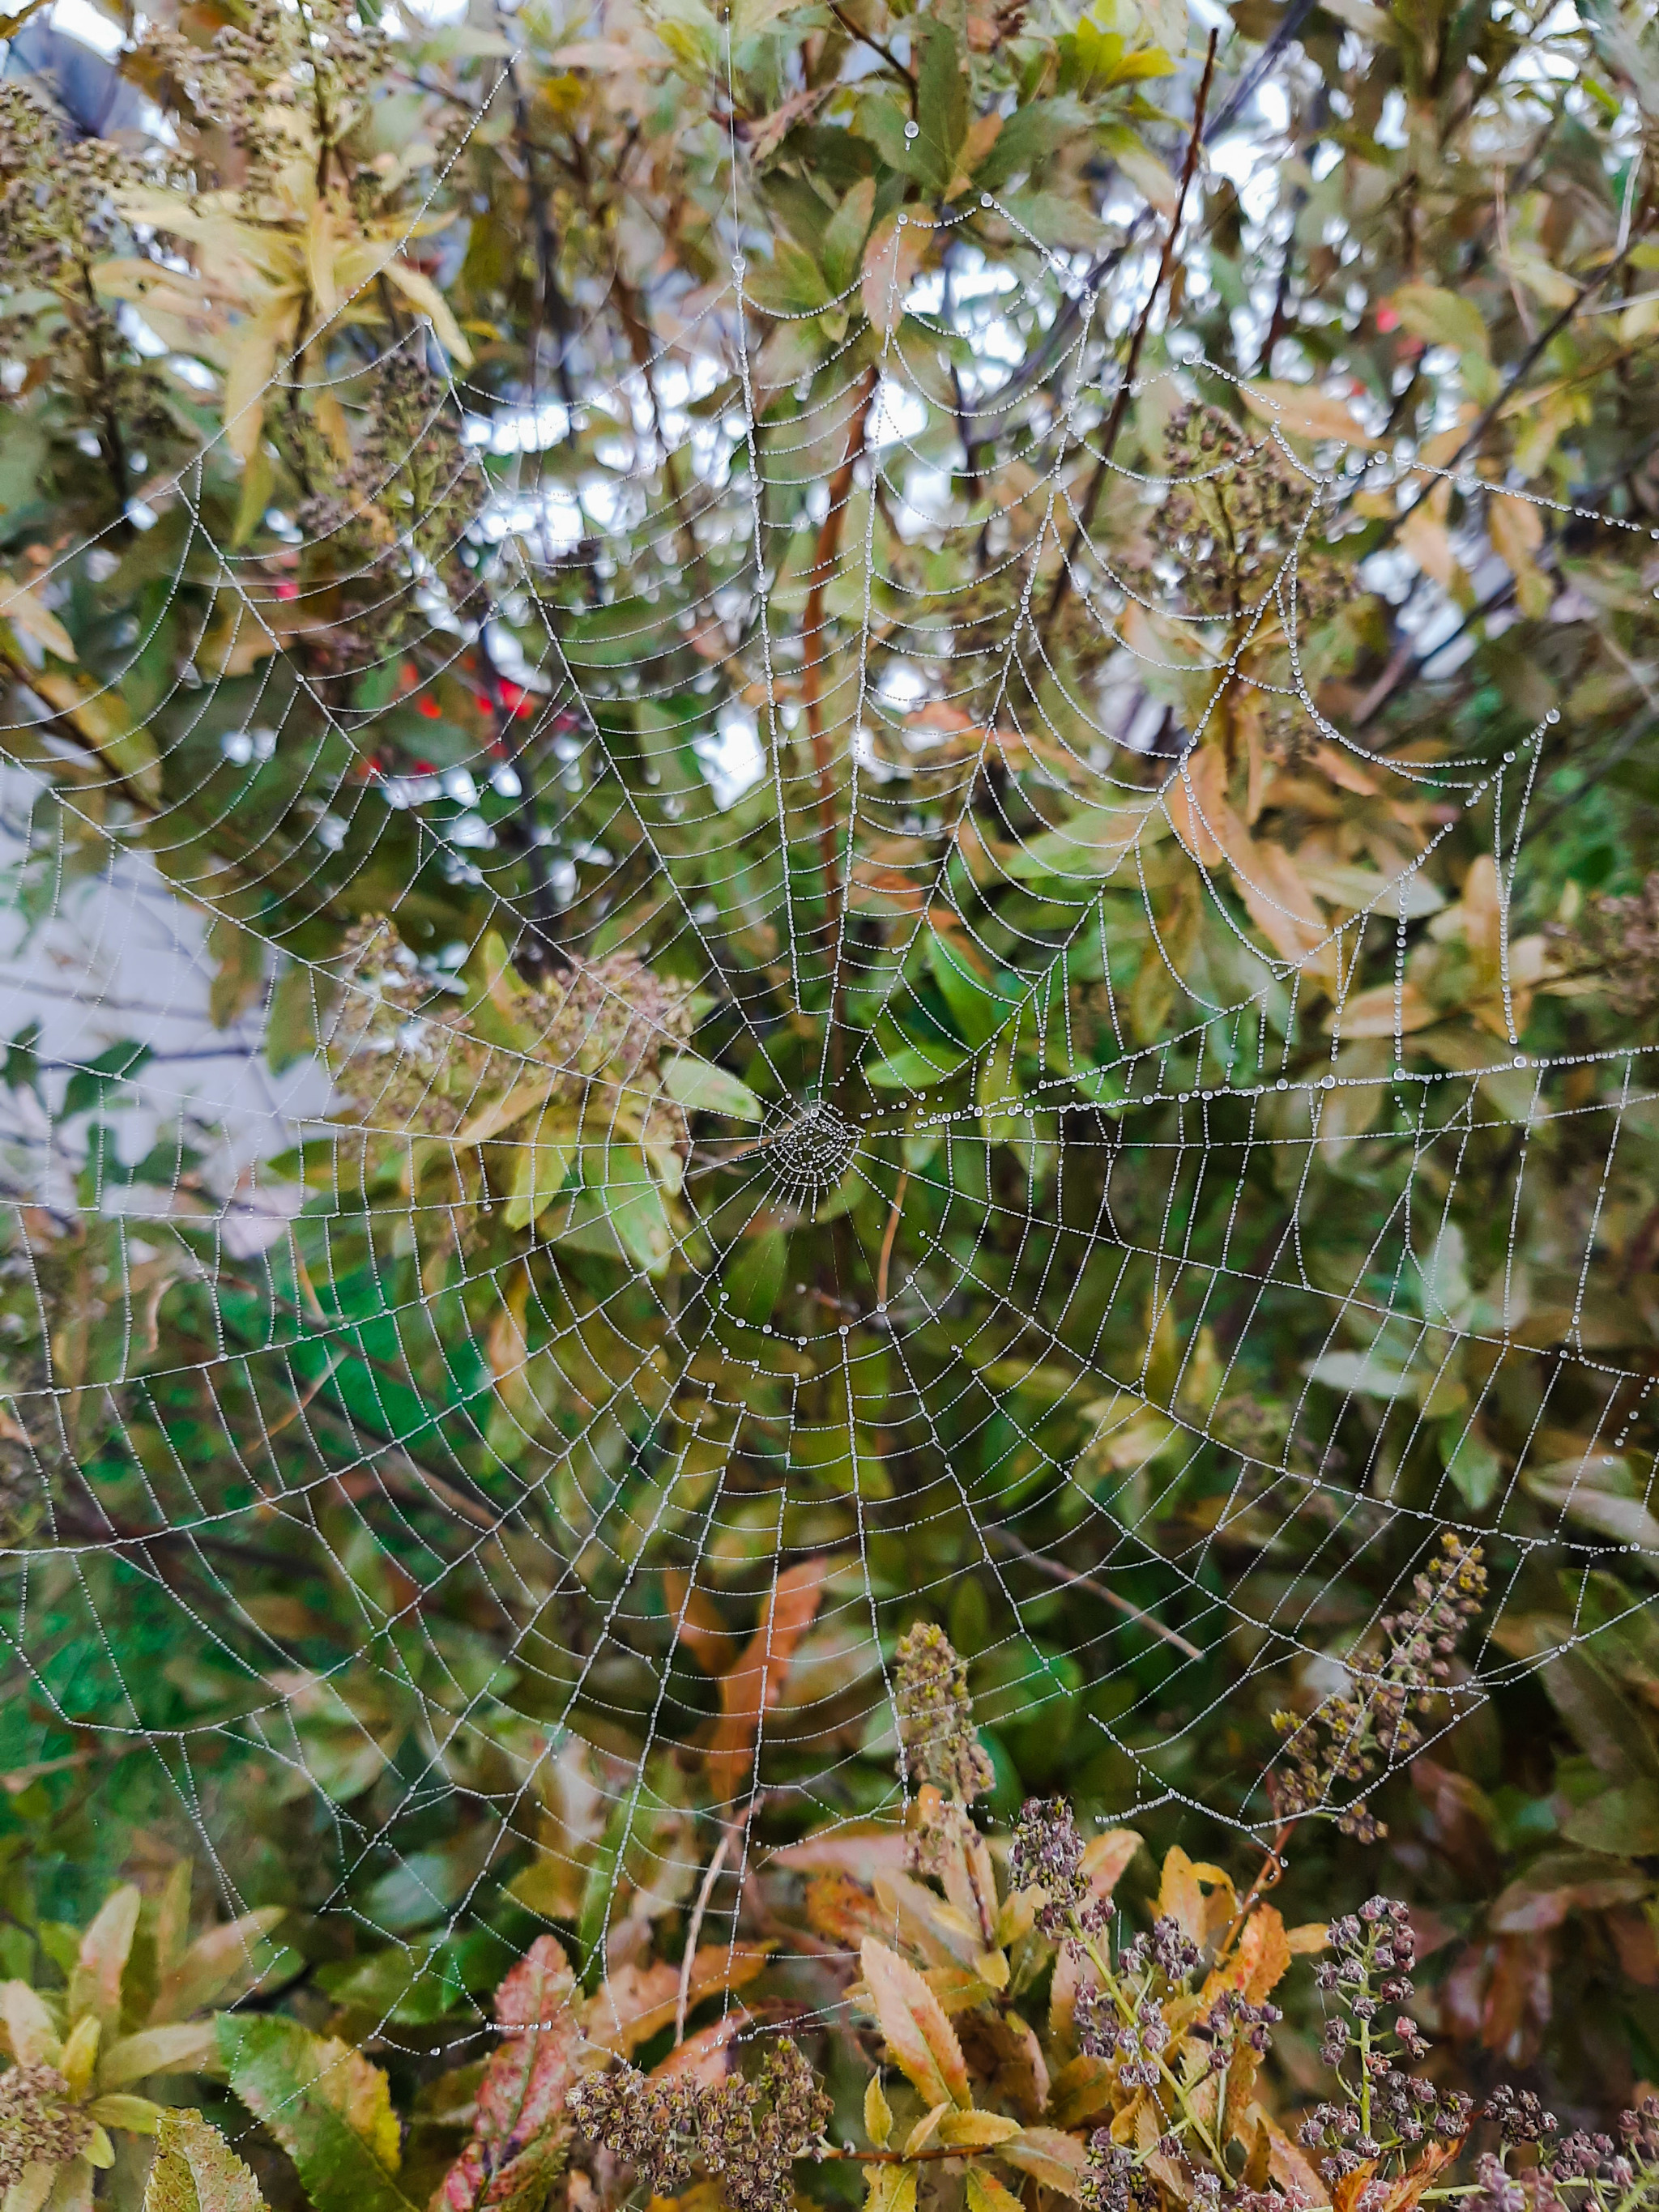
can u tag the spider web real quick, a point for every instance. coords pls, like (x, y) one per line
(606, 1489)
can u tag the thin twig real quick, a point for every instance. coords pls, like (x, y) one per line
(812, 631)
(888, 1235)
(1489, 414)
(694, 1930)
(876, 46)
(1074, 1580)
(1126, 382)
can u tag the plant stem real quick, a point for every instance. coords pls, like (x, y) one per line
(812, 632)
(1119, 408)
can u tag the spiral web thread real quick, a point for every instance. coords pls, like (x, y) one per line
(409, 1492)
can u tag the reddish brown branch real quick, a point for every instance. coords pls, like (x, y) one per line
(816, 653)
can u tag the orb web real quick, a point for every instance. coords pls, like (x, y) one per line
(808, 1100)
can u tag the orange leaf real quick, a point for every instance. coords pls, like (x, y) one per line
(629, 2008)
(754, 1683)
(711, 1643)
(1179, 1896)
(1264, 1953)
(913, 2023)
(1052, 2157)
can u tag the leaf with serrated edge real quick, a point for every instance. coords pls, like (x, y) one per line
(1049, 2155)
(892, 2189)
(986, 2194)
(330, 2109)
(878, 2113)
(976, 2130)
(195, 2170)
(917, 2031)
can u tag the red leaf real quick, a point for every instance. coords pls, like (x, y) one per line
(521, 2097)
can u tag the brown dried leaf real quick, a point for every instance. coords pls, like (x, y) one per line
(1051, 2157)
(753, 1684)
(630, 2005)
(1303, 412)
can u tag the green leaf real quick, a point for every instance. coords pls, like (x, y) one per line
(912, 1068)
(238, 953)
(539, 1170)
(979, 1005)
(291, 1024)
(753, 1275)
(1025, 140)
(195, 2170)
(1440, 318)
(1358, 1370)
(618, 1213)
(327, 2106)
(845, 233)
(706, 1089)
(941, 101)
(1475, 1468)
(89, 1086)
(1624, 1820)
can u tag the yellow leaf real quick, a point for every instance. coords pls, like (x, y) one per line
(1050, 2155)
(878, 2113)
(1303, 411)
(1440, 318)
(892, 2189)
(538, 1172)
(1372, 1014)
(1149, 176)
(1516, 530)
(1523, 265)
(139, 2115)
(425, 296)
(986, 2194)
(918, 2032)
(976, 2130)
(1179, 1896)
(1425, 538)
(81, 2054)
(21, 608)
(195, 2170)
(250, 364)
(922, 2133)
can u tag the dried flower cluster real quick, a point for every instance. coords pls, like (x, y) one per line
(60, 202)
(1381, 2113)
(1350, 1733)
(936, 1718)
(1616, 939)
(748, 2134)
(38, 2126)
(249, 81)
(399, 508)
(1236, 515)
(404, 1055)
(1585, 2173)
(1046, 1854)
